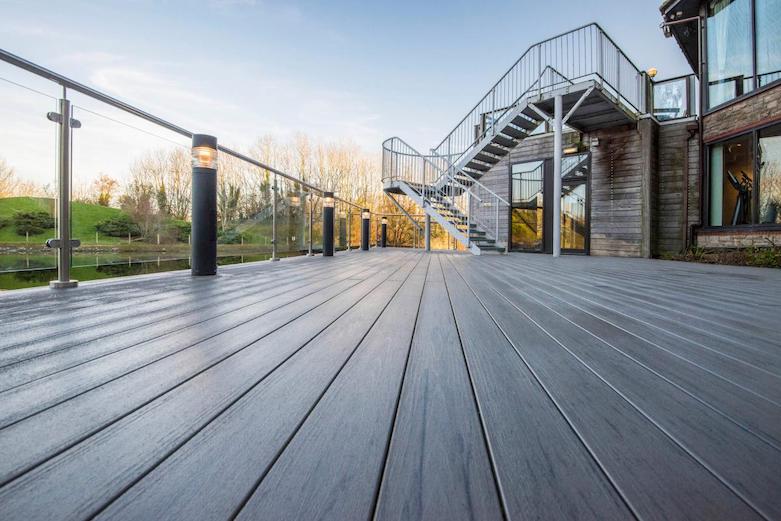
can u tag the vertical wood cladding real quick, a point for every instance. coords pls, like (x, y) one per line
(636, 186)
(675, 188)
(617, 200)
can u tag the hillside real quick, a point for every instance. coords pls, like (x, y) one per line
(85, 217)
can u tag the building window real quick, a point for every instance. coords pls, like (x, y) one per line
(732, 182)
(743, 47)
(768, 14)
(769, 159)
(730, 53)
(745, 179)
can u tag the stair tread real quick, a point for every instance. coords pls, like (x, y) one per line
(526, 123)
(496, 150)
(504, 141)
(478, 166)
(485, 158)
(514, 132)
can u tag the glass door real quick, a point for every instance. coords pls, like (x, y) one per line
(527, 228)
(574, 203)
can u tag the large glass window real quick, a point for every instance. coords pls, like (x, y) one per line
(730, 53)
(768, 13)
(732, 182)
(769, 158)
(745, 179)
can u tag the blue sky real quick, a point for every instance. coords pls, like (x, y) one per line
(338, 70)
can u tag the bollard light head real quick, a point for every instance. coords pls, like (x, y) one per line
(366, 214)
(204, 151)
(384, 220)
(328, 199)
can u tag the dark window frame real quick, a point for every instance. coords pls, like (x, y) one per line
(705, 85)
(548, 166)
(706, 195)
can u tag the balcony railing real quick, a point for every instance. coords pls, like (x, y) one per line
(263, 211)
(583, 54)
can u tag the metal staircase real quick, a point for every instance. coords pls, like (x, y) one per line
(598, 87)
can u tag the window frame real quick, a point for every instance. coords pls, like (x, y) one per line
(706, 195)
(705, 85)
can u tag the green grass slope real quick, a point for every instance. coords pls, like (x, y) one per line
(85, 217)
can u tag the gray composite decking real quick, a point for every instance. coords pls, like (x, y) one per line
(397, 385)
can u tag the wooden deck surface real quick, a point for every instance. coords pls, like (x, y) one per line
(397, 385)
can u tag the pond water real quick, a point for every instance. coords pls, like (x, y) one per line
(25, 271)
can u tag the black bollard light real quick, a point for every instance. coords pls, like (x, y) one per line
(328, 224)
(204, 205)
(384, 233)
(365, 217)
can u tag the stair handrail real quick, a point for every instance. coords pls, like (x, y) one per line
(515, 83)
(475, 181)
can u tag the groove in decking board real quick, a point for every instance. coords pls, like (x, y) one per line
(397, 385)
(140, 386)
(750, 410)
(745, 466)
(123, 451)
(348, 431)
(24, 400)
(541, 463)
(438, 466)
(734, 365)
(39, 341)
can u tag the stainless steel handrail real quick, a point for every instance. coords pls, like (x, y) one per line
(68, 83)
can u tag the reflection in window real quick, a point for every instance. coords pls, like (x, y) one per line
(770, 176)
(527, 202)
(573, 217)
(731, 182)
(671, 99)
(768, 20)
(729, 50)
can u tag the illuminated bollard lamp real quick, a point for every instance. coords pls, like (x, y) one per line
(328, 224)
(204, 205)
(365, 218)
(384, 233)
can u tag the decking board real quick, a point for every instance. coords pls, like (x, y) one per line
(395, 384)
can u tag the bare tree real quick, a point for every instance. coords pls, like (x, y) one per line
(8, 182)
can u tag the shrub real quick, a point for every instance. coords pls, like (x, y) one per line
(229, 237)
(183, 230)
(4, 223)
(32, 222)
(118, 227)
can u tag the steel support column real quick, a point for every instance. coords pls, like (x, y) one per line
(558, 128)
(427, 233)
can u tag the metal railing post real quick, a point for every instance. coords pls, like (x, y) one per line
(349, 228)
(311, 224)
(274, 189)
(468, 220)
(557, 160)
(63, 242)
